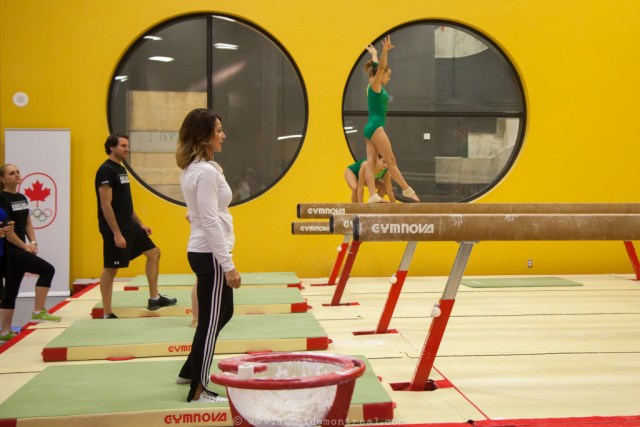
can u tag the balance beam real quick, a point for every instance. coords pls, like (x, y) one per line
(469, 229)
(326, 210)
(338, 224)
(310, 227)
(343, 212)
(496, 227)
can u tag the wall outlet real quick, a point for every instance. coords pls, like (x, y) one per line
(426, 136)
(530, 263)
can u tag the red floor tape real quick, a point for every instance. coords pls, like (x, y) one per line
(631, 421)
(618, 421)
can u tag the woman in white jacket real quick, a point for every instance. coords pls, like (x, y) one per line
(207, 196)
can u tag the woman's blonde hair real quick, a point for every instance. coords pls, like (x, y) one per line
(371, 68)
(195, 136)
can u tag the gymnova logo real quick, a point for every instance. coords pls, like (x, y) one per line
(309, 228)
(403, 228)
(326, 211)
(179, 348)
(207, 417)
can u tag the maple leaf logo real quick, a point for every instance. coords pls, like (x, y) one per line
(37, 193)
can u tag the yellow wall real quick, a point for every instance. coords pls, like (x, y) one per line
(578, 61)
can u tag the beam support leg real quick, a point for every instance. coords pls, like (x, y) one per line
(439, 323)
(346, 272)
(342, 251)
(633, 257)
(396, 289)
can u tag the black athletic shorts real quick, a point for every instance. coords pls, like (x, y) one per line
(138, 242)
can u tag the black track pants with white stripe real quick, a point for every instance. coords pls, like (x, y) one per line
(215, 303)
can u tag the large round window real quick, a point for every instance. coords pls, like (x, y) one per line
(456, 114)
(217, 62)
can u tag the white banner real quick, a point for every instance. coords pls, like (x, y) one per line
(44, 159)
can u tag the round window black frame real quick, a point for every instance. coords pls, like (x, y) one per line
(209, 15)
(522, 116)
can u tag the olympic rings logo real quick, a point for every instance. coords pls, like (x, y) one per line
(41, 215)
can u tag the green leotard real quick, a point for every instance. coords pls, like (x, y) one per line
(377, 103)
(380, 173)
(355, 168)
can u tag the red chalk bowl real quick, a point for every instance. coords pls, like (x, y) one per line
(289, 389)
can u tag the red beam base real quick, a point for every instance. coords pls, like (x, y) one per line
(339, 304)
(388, 331)
(431, 385)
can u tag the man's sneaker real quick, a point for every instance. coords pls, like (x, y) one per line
(155, 304)
(8, 336)
(44, 316)
(110, 316)
(180, 380)
(209, 398)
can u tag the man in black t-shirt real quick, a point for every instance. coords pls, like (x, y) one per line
(124, 235)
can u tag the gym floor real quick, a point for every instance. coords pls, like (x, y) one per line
(508, 353)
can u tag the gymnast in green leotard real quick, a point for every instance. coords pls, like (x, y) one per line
(377, 140)
(354, 176)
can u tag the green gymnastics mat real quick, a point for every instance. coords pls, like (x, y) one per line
(144, 393)
(248, 300)
(518, 282)
(168, 281)
(171, 336)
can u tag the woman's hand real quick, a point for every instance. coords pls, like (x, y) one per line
(386, 43)
(6, 229)
(32, 248)
(233, 278)
(372, 50)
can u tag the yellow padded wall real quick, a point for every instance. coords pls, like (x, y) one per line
(577, 60)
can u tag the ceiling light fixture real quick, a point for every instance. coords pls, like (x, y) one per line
(161, 58)
(281, 138)
(225, 46)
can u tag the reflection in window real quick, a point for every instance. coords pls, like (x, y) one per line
(456, 112)
(219, 63)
